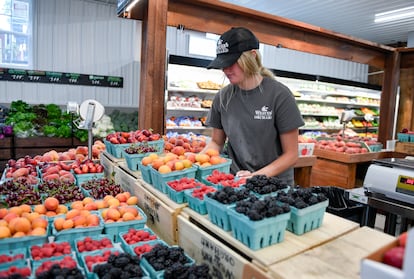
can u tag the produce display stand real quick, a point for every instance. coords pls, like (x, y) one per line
(161, 211)
(339, 258)
(405, 147)
(303, 170)
(332, 227)
(341, 169)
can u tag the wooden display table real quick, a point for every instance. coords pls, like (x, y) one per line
(339, 258)
(341, 169)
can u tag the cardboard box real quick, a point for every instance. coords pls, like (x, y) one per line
(373, 268)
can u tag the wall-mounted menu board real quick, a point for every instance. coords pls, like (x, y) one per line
(60, 78)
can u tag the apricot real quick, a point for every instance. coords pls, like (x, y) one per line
(39, 222)
(133, 200)
(51, 203)
(212, 152)
(179, 165)
(128, 216)
(76, 205)
(164, 169)
(121, 197)
(17, 210)
(3, 212)
(87, 200)
(67, 224)
(202, 158)
(38, 231)
(22, 225)
(72, 213)
(58, 223)
(146, 160)
(215, 160)
(19, 234)
(4, 232)
(40, 208)
(25, 208)
(3, 223)
(62, 209)
(91, 206)
(79, 221)
(92, 220)
(113, 214)
(113, 202)
(9, 216)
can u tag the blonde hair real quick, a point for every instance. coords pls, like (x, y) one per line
(251, 63)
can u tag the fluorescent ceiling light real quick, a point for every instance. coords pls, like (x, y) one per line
(395, 14)
(131, 5)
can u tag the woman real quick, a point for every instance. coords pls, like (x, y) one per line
(255, 117)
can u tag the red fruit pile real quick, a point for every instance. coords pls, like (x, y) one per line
(141, 249)
(89, 244)
(90, 260)
(9, 258)
(87, 166)
(184, 183)
(395, 255)
(225, 179)
(135, 236)
(66, 262)
(200, 192)
(13, 270)
(48, 250)
(133, 136)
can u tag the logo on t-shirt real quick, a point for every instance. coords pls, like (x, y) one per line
(263, 113)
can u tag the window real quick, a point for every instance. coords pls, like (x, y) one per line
(15, 33)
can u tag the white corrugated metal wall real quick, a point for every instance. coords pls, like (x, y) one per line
(85, 36)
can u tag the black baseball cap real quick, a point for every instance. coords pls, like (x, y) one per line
(231, 45)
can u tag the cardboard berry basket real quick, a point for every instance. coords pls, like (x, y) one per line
(145, 172)
(89, 270)
(113, 229)
(306, 219)
(82, 178)
(118, 148)
(159, 179)
(258, 234)
(196, 204)
(218, 213)
(93, 238)
(74, 233)
(145, 231)
(130, 249)
(38, 261)
(13, 257)
(160, 273)
(205, 171)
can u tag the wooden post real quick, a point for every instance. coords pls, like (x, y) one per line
(153, 65)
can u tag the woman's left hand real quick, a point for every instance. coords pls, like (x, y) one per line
(244, 174)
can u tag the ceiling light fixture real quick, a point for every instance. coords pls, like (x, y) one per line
(131, 5)
(395, 14)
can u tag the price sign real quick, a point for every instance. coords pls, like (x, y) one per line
(60, 78)
(36, 76)
(54, 77)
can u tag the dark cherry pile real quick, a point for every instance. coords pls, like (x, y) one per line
(258, 209)
(19, 192)
(98, 188)
(64, 191)
(301, 197)
(229, 195)
(187, 271)
(123, 265)
(140, 149)
(263, 184)
(161, 257)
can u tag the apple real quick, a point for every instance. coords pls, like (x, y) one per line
(394, 256)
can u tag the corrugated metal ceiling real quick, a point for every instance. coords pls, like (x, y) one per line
(350, 17)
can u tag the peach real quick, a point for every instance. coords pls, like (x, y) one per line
(51, 203)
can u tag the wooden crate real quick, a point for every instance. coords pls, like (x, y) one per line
(205, 248)
(331, 228)
(339, 258)
(405, 147)
(161, 211)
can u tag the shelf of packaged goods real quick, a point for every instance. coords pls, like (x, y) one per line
(192, 90)
(354, 104)
(187, 109)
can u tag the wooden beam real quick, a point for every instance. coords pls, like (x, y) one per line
(217, 17)
(388, 96)
(153, 66)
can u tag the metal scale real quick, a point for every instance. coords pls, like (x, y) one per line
(392, 177)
